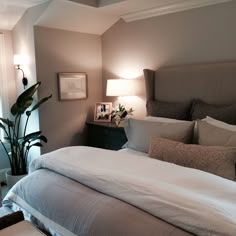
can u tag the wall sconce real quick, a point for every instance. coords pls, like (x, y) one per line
(17, 61)
(121, 87)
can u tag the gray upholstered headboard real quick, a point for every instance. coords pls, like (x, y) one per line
(212, 83)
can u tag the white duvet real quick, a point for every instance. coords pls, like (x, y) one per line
(201, 203)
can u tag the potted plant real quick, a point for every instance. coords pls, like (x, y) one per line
(17, 143)
(120, 113)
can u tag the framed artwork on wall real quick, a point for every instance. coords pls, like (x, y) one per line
(72, 86)
(102, 112)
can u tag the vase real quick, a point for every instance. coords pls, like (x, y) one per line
(12, 179)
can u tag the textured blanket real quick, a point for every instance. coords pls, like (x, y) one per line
(201, 203)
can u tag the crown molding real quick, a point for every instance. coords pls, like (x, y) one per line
(170, 8)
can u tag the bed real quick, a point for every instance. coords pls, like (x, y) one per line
(90, 191)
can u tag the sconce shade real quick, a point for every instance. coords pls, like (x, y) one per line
(19, 59)
(121, 87)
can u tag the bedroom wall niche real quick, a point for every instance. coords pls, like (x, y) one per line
(63, 122)
(201, 35)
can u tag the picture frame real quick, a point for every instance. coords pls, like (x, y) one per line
(102, 112)
(72, 86)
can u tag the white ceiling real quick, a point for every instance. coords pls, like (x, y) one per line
(12, 10)
(93, 16)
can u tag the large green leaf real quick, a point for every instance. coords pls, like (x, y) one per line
(16, 109)
(35, 144)
(32, 137)
(27, 93)
(24, 100)
(43, 138)
(38, 104)
(28, 137)
(38, 137)
(13, 141)
(7, 122)
(2, 127)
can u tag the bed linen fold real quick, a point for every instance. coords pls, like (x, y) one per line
(65, 207)
(198, 202)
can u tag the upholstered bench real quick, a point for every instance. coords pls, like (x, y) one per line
(14, 225)
(22, 228)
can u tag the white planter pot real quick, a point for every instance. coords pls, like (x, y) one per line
(12, 179)
(3, 175)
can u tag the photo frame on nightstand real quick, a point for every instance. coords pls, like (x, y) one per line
(102, 112)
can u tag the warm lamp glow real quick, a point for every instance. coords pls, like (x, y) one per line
(19, 59)
(121, 87)
(128, 73)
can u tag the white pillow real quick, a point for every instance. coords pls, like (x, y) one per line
(169, 120)
(219, 124)
(211, 135)
(139, 132)
(162, 119)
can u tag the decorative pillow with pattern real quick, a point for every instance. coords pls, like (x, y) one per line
(212, 159)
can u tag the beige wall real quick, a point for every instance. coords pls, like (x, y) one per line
(4, 162)
(23, 43)
(199, 35)
(63, 122)
(196, 36)
(10, 68)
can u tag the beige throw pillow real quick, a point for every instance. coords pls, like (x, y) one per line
(212, 135)
(213, 159)
(163, 119)
(219, 123)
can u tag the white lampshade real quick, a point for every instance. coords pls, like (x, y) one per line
(19, 59)
(121, 87)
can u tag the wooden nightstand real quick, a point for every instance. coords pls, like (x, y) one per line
(105, 135)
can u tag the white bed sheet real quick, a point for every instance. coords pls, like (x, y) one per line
(132, 151)
(199, 202)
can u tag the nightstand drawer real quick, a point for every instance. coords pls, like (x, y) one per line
(106, 136)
